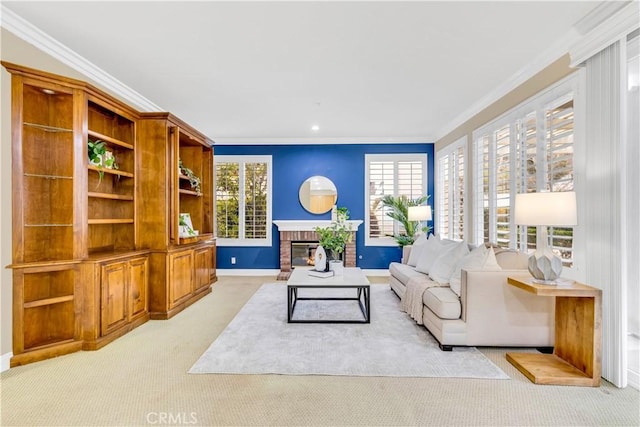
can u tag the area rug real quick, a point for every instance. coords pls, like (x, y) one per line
(260, 341)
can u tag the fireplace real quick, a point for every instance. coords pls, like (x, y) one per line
(303, 254)
(304, 231)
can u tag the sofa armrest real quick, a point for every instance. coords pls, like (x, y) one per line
(406, 251)
(497, 312)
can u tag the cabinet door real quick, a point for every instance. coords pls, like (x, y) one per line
(113, 306)
(203, 264)
(138, 274)
(180, 276)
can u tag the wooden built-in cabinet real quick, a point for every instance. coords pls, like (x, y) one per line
(182, 266)
(116, 302)
(95, 249)
(47, 224)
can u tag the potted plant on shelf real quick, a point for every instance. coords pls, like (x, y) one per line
(400, 212)
(334, 238)
(100, 157)
(194, 181)
(186, 228)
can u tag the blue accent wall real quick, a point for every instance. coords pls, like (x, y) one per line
(341, 163)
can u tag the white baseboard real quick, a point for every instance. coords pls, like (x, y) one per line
(376, 272)
(273, 272)
(4, 361)
(246, 272)
(633, 379)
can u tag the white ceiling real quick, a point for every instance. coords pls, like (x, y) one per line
(267, 71)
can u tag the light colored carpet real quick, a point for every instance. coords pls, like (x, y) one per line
(260, 341)
(144, 375)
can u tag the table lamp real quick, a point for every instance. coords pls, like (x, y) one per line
(545, 209)
(419, 213)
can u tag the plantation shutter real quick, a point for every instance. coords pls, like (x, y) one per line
(243, 200)
(559, 134)
(444, 181)
(255, 217)
(227, 200)
(451, 191)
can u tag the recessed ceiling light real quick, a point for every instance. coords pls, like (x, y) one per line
(49, 91)
(315, 128)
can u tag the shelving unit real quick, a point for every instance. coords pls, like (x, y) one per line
(97, 250)
(111, 196)
(45, 284)
(183, 267)
(70, 218)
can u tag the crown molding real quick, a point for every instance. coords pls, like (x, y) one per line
(31, 34)
(617, 26)
(536, 65)
(321, 141)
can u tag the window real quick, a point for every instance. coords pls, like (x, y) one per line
(530, 149)
(243, 200)
(390, 174)
(451, 191)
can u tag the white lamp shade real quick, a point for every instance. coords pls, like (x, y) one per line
(420, 213)
(551, 209)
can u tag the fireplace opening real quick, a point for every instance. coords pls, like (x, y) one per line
(303, 254)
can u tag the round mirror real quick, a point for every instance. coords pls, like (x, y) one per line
(318, 194)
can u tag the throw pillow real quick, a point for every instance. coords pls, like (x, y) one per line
(416, 250)
(446, 262)
(473, 261)
(430, 251)
(480, 259)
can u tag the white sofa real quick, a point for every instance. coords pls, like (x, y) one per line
(488, 312)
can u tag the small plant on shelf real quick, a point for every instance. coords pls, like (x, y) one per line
(186, 230)
(194, 181)
(100, 157)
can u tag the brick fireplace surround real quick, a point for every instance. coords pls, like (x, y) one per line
(304, 231)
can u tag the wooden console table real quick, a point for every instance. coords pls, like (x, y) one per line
(578, 336)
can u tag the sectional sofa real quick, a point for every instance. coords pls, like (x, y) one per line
(474, 305)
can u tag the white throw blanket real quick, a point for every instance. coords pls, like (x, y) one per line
(411, 301)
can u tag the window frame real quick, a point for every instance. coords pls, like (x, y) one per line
(241, 160)
(395, 158)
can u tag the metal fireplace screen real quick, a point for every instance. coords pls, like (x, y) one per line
(303, 253)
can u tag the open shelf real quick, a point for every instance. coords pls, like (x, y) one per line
(109, 196)
(116, 172)
(100, 136)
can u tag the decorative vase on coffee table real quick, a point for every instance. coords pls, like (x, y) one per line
(337, 267)
(320, 260)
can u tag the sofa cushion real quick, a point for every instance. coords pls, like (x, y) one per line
(446, 262)
(442, 302)
(404, 272)
(480, 259)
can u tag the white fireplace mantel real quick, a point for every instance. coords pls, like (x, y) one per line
(310, 225)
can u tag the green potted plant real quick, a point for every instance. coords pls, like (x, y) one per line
(400, 212)
(186, 230)
(334, 238)
(100, 157)
(194, 181)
